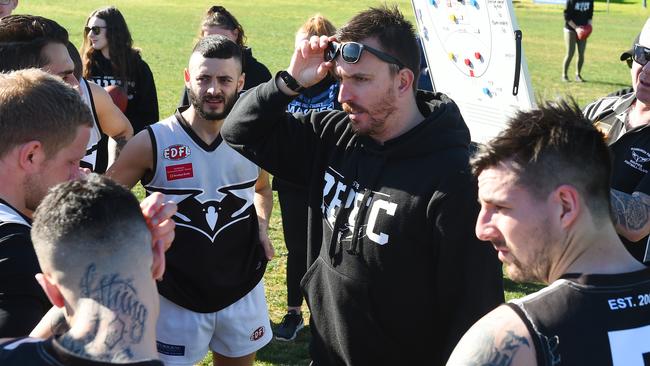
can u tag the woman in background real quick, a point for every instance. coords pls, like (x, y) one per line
(577, 16)
(292, 196)
(110, 59)
(218, 20)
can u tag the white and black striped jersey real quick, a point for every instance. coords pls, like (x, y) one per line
(96, 158)
(216, 257)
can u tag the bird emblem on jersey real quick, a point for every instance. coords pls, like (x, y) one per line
(640, 155)
(209, 212)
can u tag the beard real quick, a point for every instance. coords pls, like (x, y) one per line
(538, 270)
(378, 113)
(213, 115)
(35, 190)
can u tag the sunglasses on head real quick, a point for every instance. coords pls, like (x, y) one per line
(96, 30)
(641, 54)
(351, 53)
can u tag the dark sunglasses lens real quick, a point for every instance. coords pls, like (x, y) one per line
(330, 51)
(96, 30)
(641, 54)
(350, 52)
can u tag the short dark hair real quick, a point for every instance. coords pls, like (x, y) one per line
(22, 38)
(94, 219)
(35, 105)
(218, 46)
(552, 145)
(395, 34)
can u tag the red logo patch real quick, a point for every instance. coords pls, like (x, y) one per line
(176, 152)
(179, 171)
(257, 334)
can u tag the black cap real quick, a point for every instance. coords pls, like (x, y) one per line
(628, 54)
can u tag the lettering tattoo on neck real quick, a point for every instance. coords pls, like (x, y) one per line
(128, 321)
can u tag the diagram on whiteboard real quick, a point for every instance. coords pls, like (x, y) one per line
(474, 57)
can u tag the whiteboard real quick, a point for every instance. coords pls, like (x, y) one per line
(471, 52)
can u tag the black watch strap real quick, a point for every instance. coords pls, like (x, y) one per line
(290, 82)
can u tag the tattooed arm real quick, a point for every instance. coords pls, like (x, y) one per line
(111, 120)
(500, 338)
(631, 214)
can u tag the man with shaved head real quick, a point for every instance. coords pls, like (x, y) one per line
(94, 249)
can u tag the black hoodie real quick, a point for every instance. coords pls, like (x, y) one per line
(403, 276)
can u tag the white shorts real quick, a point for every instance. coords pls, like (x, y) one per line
(183, 336)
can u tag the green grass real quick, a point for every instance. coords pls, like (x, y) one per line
(166, 30)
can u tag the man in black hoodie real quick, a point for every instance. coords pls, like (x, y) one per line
(395, 273)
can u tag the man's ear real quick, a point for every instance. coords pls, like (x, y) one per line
(30, 155)
(406, 79)
(241, 82)
(186, 75)
(158, 265)
(568, 198)
(51, 290)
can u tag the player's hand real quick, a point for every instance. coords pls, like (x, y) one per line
(308, 66)
(580, 32)
(265, 241)
(53, 323)
(158, 213)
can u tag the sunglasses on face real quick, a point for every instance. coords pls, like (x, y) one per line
(351, 53)
(96, 30)
(5, 2)
(641, 54)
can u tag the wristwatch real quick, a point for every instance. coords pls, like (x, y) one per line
(290, 82)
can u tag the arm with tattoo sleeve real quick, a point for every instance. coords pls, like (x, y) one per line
(631, 214)
(500, 338)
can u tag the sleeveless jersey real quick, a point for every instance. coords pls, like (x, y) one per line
(590, 320)
(216, 257)
(22, 301)
(96, 158)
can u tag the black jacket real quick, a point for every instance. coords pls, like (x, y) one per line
(580, 11)
(400, 275)
(142, 108)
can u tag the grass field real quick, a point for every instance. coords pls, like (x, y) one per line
(166, 30)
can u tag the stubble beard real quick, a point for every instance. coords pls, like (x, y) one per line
(378, 114)
(34, 191)
(539, 269)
